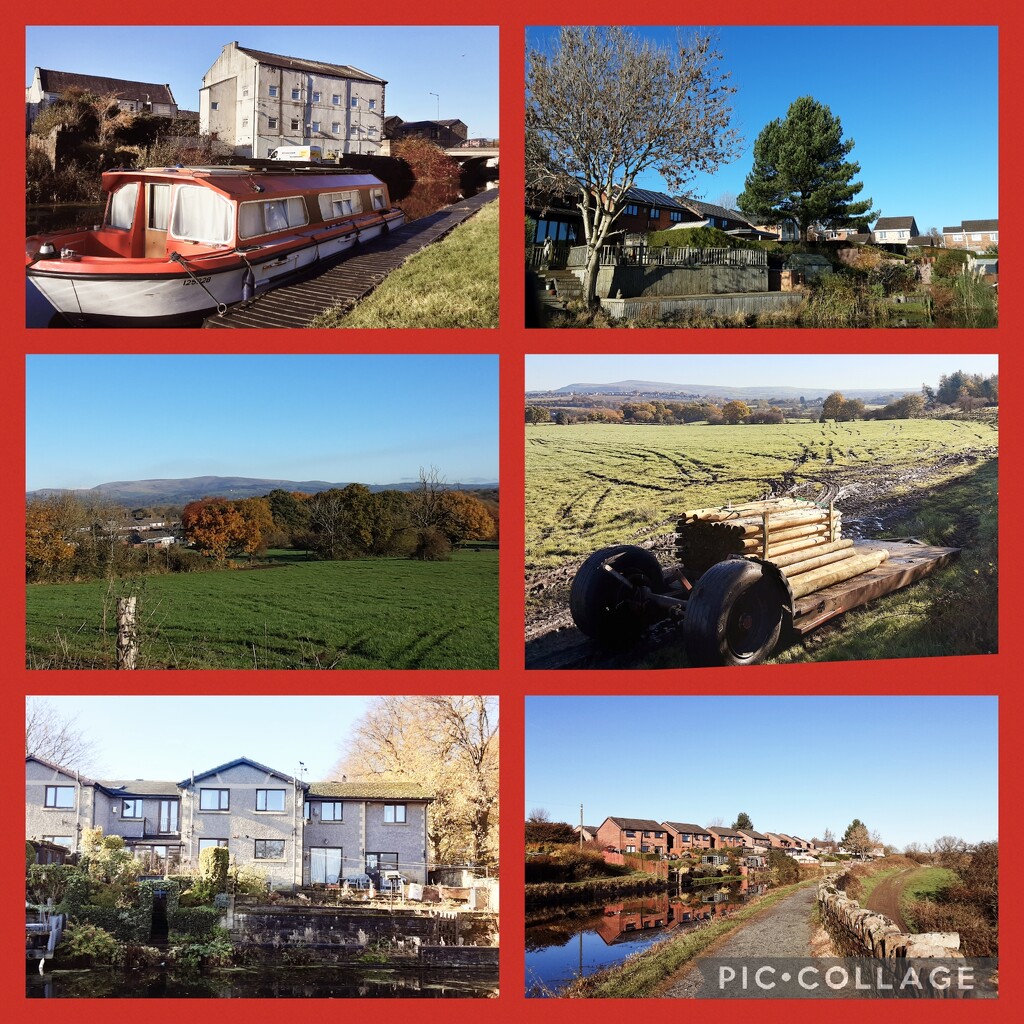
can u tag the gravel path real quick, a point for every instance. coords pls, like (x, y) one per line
(783, 930)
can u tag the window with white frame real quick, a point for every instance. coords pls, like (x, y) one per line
(214, 799)
(355, 101)
(67, 841)
(394, 814)
(295, 94)
(315, 126)
(335, 127)
(316, 96)
(214, 105)
(59, 796)
(273, 90)
(332, 810)
(377, 200)
(270, 799)
(131, 808)
(339, 204)
(336, 99)
(372, 104)
(295, 124)
(272, 123)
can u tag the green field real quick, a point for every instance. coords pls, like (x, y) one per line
(592, 485)
(367, 614)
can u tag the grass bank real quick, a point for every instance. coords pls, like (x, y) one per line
(453, 283)
(642, 975)
(558, 892)
(925, 884)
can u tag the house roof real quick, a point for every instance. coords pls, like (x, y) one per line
(981, 225)
(660, 199)
(138, 787)
(313, 67)
(887, 223)
(447, 123)
(924, 240)
(751, 833)
(69, 772)
(58, 81)
(711, 210)
(778, 835)
(369, 791)
(232, 764)
(635, 823)
(586, 828)
(719, 831)
(685, 826)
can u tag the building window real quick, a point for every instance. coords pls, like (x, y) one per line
(315, 126)
(332, 811)
(654, 214)
(316, 96)
(268, 849)
(270, 799)
(381, 862)
(336, 127)
(59, 841)
(168, 817)
(214, 799)
(394, 814)
(325, 865)
(211, 844)
(272, 123)
(60, 796)
(675, 216)
(976, 237)
(371, 131)
(245, 91)
(958, 238)
(630, 849)
(273, 90)
(295, 124)
(245, 122)
(372, 104)
(644, 848)
(295, 94)
(131, 808)
(658, 835)
(355, 101)
(214, 105)
(336, 99)
(632, 210)
(629, 834)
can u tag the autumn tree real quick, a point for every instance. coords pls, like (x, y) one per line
(604, 105)
(465, 517)
(49, 546)
(219, 527)
(735, 412)
(55, 737)
(801, 173)
(448, 745)
(856, 838)
(832, 407)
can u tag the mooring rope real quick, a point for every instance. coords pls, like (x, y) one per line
(178, 258)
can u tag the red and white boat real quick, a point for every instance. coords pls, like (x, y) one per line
(179, 243)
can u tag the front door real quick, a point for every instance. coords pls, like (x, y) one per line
(158, 214)
(324, 865)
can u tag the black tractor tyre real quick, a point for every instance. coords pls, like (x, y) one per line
(734, 615)
(605, 609)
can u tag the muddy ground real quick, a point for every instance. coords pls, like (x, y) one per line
(874, 501)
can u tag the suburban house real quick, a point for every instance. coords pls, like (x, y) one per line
(253, 102)
(647, 211)
(779, 841)
(754, 841)
(135, 97)
(894, 230)
(633, 835)
(589, 832)
(447, 133)
(723, 837)
(683, 837)
(295, 832)
(977, 235)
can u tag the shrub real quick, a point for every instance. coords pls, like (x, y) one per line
(785, 870)
(83, 939)
(248, 881)
(194, 922)
(213, 866)
(432, 546)
(51, 882)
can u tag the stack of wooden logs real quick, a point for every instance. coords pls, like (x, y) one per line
(801, 538)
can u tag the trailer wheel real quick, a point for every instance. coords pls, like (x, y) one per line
(734, 615)
(603, 607)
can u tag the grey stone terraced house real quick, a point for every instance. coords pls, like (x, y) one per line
(296, 832)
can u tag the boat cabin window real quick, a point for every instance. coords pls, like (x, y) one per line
(121, 209)
(264, 216)
(377, 198)
(339, 204)
(200, 215)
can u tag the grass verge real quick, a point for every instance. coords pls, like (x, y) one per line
(640, 976)
(453, 283)
(925, 884)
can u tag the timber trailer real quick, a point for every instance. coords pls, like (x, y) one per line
(748, 574)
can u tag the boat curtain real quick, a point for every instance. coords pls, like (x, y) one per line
(122, 205)
(201, 216)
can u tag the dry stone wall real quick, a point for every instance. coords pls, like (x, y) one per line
(855, 931)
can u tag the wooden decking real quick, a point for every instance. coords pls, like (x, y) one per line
(344, 283)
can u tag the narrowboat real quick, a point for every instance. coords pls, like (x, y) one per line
(180, 243)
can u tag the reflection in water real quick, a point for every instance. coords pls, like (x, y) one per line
(261, 983)
(560, 950)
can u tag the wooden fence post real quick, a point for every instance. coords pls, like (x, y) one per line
(127, 633)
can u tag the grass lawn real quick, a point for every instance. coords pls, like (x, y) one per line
(453, 283)
(365, 613)
(924, 884)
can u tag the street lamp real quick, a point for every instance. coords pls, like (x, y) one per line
(438, 105)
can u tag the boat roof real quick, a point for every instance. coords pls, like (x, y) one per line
(241, 181)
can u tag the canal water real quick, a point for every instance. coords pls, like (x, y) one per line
(566, 947)
(261, 983)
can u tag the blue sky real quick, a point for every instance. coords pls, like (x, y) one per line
(926, 134)
(888, 372)
(166, 738)
(93, 419)
(914, 768)
(459, 63)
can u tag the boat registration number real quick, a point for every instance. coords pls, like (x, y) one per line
(196, 280)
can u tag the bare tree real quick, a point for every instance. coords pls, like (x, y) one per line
(55, 737)
(449, 746)
(427, 505)
(538, 814)
(604, 106)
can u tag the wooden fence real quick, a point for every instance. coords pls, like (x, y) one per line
(669, 256)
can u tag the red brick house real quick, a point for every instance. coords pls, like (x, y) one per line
(754, 840)
(779, 841)
(976, 235)
(683, 836)
(723, 837)
(633, 835)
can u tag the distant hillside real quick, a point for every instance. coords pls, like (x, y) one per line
(661, 389)
(180, 492)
